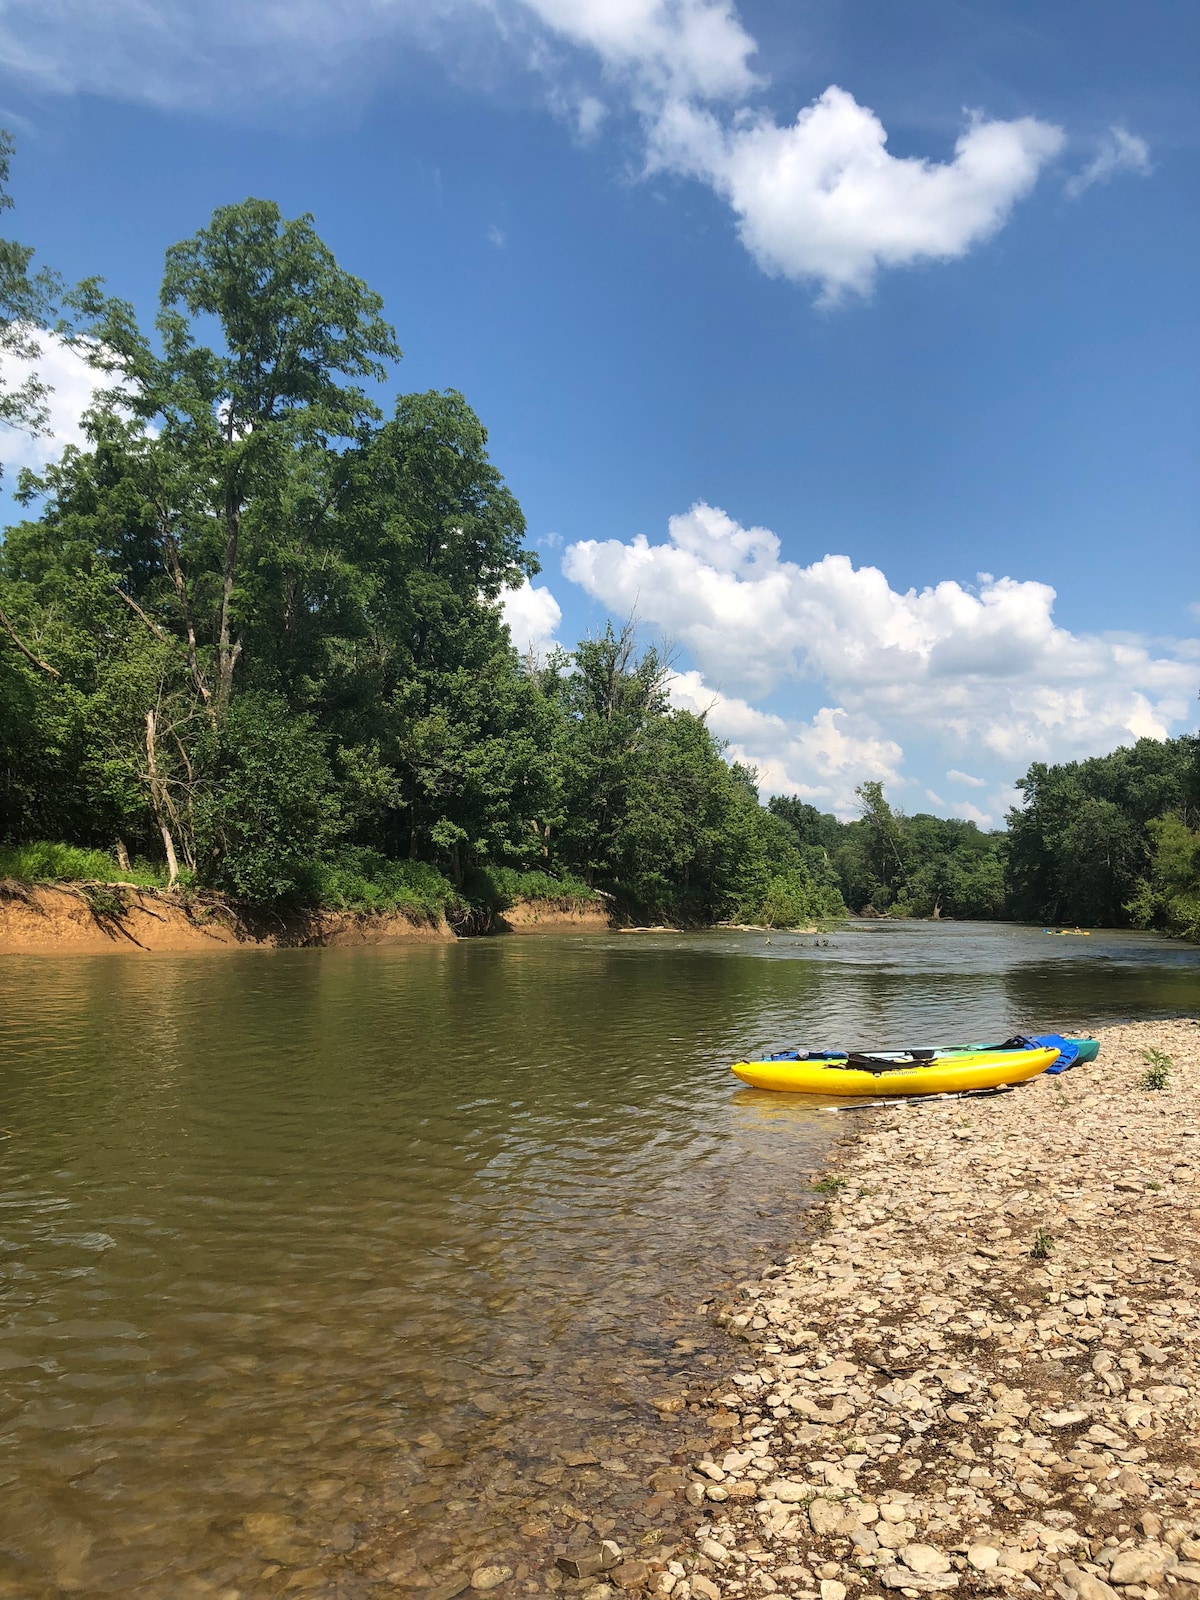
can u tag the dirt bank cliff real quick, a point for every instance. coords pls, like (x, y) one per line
(66, 919)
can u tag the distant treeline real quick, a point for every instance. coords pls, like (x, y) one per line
(1109, 842)
(251, 639)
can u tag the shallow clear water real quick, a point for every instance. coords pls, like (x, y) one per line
(313, 1263)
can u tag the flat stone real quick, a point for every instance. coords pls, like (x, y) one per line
(1142, 1565)
(1064, 1419)
(448, 1590)
(924, 1558)
(583, 1563)
(630, 1574)
(983, 1557)
(1087, 1586)
(825, 1516)
(831, 1589)
(923, 1582)
(485, 1578)
(740, 1490)
(785, 1490)
(704, 1587)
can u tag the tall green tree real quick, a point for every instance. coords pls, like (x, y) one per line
(228, 427)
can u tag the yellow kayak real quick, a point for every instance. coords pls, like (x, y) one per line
(898, 1074)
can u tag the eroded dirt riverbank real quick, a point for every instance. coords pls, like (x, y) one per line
(980, 1375)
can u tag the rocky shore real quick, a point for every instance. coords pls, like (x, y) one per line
(980, 1376)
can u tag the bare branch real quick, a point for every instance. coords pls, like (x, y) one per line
(159, 633)
(35, 660)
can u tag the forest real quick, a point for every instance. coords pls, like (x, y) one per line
(251, 640)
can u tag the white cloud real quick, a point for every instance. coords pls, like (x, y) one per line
(824, 200)
(676, 47)
(1120, 151)
(833, 752)
(72, 383)
(820, 200)
(985, 674)
(965, 777)
(533, 616)
(970, 813)
(209, 52)
(495, 236)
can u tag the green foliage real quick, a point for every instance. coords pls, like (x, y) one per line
(920, 866)
(829, 1184)
(1083, 843)
(358, 879)
(1158, 1074)
(1169, 896)
(26, 304)
(498, 888)
(42, 862)
(252, 629)
(1043, 1245)
(267, 811)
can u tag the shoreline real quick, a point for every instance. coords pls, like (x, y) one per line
(43, 919)
(929, 1403)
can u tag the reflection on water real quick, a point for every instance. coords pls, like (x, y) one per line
(315, 1263)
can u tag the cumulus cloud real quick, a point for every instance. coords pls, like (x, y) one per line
(965, 777)
(821, 760)
(689, 48)
(970, 813)
(823, 199)
(533, 616)
(984, 673)
(72, 384)
(1120, 152)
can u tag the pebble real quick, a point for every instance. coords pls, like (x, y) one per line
(485, 1578)
(983, 1366)
(983, 1557)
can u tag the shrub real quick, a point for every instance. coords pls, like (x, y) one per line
(363, 880)
(497, 888)
(1159, 1074)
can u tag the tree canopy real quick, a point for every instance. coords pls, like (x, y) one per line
(251, 631)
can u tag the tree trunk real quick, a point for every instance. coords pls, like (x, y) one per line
(227, 650)
(159, 800)
(122, 856)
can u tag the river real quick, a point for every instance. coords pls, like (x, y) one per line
(339, 1272)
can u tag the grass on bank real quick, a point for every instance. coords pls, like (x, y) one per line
(67, 863)
(355, 880)
(498, 888)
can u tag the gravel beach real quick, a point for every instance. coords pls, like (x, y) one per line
(982, 1372)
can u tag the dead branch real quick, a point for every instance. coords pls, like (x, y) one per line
(35, 660)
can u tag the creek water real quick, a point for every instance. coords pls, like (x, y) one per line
(339, 1272)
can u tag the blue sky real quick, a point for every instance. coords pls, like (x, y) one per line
(782, 388)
